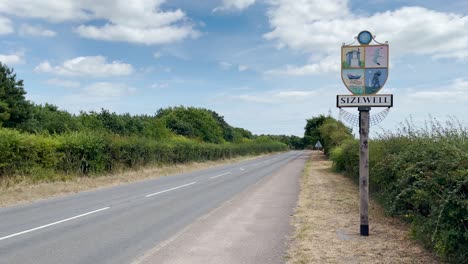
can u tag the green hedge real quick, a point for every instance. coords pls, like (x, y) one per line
(22, 153)
(98, 152)
(422, 177)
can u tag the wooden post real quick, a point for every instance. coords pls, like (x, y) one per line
(364, 169)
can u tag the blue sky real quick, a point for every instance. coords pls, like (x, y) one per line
(265, 65)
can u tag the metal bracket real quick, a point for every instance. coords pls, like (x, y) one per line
(364, 108)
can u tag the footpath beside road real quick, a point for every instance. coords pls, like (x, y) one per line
(327, 224)
(253, 227)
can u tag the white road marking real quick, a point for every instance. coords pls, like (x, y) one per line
(168, 190)
(217, 176)
(241, 169)
(51, 224)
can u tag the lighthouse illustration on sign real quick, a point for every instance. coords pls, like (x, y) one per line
(364, 68)
(353, 58)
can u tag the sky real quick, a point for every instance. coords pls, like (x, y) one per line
(265, 65)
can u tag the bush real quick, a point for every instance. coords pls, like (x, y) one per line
(333, 134)
(24, 153)
(420, 175)
(346, 156)
(89, 152)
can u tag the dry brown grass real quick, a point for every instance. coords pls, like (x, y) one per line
(20, 189)
(327, 224)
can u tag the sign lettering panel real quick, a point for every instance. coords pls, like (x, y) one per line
(383, 100)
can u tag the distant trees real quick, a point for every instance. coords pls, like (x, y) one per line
(199, 124)
(312, 133)
(14, 108)
(193, 123)
(48, 118)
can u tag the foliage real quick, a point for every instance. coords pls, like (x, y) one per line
(333, 133)
(421, 175)
(14, 108)
(312, 133)
(49, 119)
(89, 152)
(293, 142)
(23, 153)
(192, 122)
(44, 141)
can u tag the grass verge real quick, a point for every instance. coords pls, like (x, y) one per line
(326, 224)
(17, 190)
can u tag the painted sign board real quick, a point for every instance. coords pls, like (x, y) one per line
(364, 68)
(381, 100)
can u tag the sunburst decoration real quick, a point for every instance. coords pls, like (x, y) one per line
(353, 119)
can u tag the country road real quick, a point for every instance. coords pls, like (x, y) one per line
(122, 224)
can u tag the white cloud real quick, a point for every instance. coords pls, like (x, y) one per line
(329, 64)
(161, 85)
(63, 83)
(234, 4)
(271, 97)
(295, 95)
(11, 59)
(252, 98)
(54, 11)
(225, 65)
(5, 26)
(455, 92)
(157, 55)
(148, 36)
(108, 90)
(26, 29)
(242, 68)
(93, 66)
(141, 21)
(318, 28)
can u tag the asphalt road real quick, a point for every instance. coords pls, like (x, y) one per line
(120, 224)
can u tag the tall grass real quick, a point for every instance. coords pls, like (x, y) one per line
(421, 175)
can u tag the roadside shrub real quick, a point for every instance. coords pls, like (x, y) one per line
(420, 175)
(346, 156)
(333, 133)
(83, 152)
(23, 153)
(97, 152)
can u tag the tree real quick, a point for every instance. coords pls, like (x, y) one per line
(312, 133)
(14, 108)
(192, 122)
(48, 118)
(333, 133)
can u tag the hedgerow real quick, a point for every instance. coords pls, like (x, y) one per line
(91, 153)
(420, 175)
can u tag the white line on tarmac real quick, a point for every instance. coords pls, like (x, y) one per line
(242, 169)
(217, 176)
(168, 190)
(51, 224)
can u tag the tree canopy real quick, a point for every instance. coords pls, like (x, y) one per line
(14, 108)
(312, 133)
